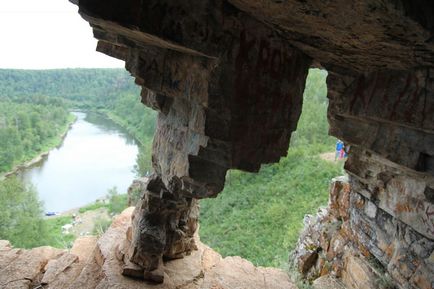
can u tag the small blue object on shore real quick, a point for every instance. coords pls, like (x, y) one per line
(50, 214)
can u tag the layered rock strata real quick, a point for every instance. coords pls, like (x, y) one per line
(227, 78)
(201, 85)
(96, 264)
(362, 244)
(388, 118)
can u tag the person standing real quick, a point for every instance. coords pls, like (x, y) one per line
(339, 149)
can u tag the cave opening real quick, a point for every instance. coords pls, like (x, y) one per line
(259, 216)
(208, 69)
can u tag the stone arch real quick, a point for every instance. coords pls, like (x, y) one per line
(227, 78)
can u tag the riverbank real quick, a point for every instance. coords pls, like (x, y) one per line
(122, 123)
(91, 219)
(36, 158)
(144, 140)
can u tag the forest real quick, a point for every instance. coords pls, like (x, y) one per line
(78, 88)
(29, 129)
(257, 216)
(44, 94)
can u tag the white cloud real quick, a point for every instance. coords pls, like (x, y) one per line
(47, 34)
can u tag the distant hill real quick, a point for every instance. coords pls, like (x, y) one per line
(95, 88)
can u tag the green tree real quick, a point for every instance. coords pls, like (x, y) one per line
(21, 214)
(27, 129)
(312, 128)
(117, 202)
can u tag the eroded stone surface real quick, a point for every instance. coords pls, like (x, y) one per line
(328, 282)
(27, 267)
(201, 81)
(367, 249)
(202, 269)
(227, 79)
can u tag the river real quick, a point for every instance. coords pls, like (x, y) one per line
(95, 155)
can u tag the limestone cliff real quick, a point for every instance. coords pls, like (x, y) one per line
(227, 78)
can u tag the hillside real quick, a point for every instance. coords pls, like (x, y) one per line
(110, 91)
(259, 216)
(84, 88)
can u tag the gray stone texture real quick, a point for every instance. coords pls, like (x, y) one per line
(227, 78)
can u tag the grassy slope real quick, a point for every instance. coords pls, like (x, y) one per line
(259, 216)
(54, 236)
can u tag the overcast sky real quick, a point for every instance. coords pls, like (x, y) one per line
(41, 34)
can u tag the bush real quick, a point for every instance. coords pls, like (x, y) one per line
(54, 236)
(101, 225)
(21, 214)
(92, 207)
(259, 216)
(117, 202)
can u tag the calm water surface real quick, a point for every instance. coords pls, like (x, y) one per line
(95, 156)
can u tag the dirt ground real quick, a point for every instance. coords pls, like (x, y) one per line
(330, 156)
(85, 222)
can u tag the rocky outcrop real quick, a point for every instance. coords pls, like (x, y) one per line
(356, 240)
(96, 264)
(163, 226)
(227, 78)
(201, 84)
(43, 266)
(136, 189)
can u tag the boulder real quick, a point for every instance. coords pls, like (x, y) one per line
(27, 267)
(98, 264)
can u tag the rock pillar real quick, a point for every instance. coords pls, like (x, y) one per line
(228, 89)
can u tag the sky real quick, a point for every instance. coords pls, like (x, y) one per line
(44, 34)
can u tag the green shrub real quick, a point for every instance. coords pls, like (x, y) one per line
(21, 214)
(117, 202)
(92, 207)
(101, 225)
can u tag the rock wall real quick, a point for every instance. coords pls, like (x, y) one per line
(387, 117)
(360, 242)
(388, 216)
(227, 78)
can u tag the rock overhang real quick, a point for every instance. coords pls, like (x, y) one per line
(227, 78)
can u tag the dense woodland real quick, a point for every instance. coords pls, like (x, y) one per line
(257, 216)
(42, 95)
(79, 88)
(28, 129)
